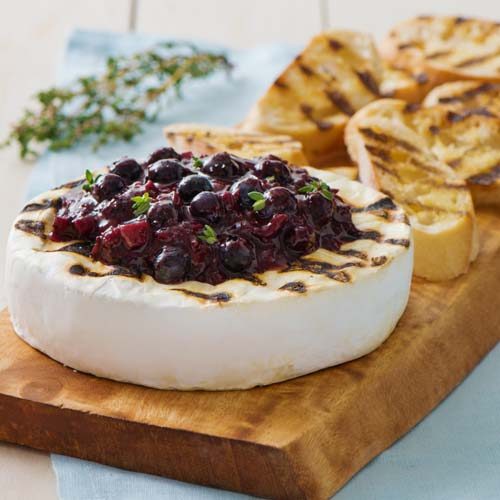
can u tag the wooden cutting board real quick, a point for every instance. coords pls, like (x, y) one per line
(299, 439)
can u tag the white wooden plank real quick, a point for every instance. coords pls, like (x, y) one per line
(377, 17)
(32, 36)
(232, 22)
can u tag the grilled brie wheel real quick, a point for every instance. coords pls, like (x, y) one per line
(325, 309)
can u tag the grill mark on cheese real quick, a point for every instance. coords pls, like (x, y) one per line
(79, 270)
(398, 241)
(308, 113)
(351, 252)
(36, 228)
(379, 260)
(71, 184)
(80, 247)
(341, 101)
(368, 80)
(333, 271)
(42, 205)
(486, 178)
(218, 297)
(409, 45)
(382, 204)
(294, 286)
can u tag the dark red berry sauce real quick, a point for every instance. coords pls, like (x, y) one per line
(180, 218)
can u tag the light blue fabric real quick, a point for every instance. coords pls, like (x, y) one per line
(454, 454)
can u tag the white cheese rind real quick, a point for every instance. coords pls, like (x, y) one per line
(151, 334)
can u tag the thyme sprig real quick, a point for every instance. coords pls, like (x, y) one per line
(208, 235)
(141, 204)
(320, 186)
(112, 106)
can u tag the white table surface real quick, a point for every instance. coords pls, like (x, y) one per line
(32, 37)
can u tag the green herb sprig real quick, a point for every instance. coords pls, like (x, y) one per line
(208, 235)
(141, 204)
(91, 180)
(197, 162)
(258, 199)
(112, 106)
(320, 186)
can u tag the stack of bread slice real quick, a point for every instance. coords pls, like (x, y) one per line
(420, 117)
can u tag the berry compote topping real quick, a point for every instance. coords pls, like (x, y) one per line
(179, 218)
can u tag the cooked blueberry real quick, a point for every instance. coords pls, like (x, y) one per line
(171, 265)
(205, 205)
(221, 165)
(128, 168)
(107, 186)
(245, 186)
(191, 185)
(165, 171)
(237, 255)
(281, 200)
(300, 239)
(163, 154)
(162, 214)
(272, 166)
(319, 208)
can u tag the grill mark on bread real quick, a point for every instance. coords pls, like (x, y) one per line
(421, 78)
(486, 178)
(468, 94)
(294, 286)
(434, 129)
(368, 80)
(306, 69)
(409, 45)
(79, 270)
(385, 169)
(307, 111)
(218, 297)
(411, 107)
(341, 101)
(36, 228)
(455, 117)
(42, 205)
(380, 153)
(335, 44)
(280, 83)
(473, 61)
(385, 138)
(437, 54)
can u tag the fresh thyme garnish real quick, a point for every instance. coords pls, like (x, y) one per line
(208, 235)
(91, 180)
(259, 200)
(112, 106)
(141, 204)
(319, 186)
(197, 163)
(271, 178)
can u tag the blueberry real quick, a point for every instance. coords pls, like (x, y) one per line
(281, 200)
(163, 154)
(191, 185)
(319, 208)
(170, 265)
(221, 165)
(107, 186)
(205, 205)
(128, 168)
(245, 186)
(236, 255)
(300, 239)
(272, 166)
(165, 171)
(162, 214)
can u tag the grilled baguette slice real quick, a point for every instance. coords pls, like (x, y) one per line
(462, 122)
(394, 158)
(208, 139)
(336, 74)
(446, 48)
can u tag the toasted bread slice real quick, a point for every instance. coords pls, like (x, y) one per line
(462, 122)
(446, 48)
(208, 139)
(346, 171)
(394, 158)
(336, 74)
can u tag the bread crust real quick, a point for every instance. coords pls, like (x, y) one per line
(209, 139)
(395, 159)
(446, 48)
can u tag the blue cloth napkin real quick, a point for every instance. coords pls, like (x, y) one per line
(454, 454)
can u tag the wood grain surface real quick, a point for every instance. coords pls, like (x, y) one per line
(298, 439)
